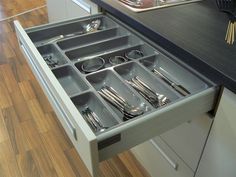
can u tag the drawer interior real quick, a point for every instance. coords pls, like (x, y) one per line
(115, 57)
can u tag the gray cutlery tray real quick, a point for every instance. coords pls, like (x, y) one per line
(112, 39)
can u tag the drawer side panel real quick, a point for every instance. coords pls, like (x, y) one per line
(81, 136)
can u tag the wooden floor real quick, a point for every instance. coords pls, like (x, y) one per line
(32, 142)
(10, 8)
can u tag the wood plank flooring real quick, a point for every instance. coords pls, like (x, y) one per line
(32, 141)
(10, 8)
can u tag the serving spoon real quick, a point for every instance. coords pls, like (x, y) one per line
(91, 27)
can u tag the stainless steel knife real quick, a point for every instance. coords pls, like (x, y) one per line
(179, 88)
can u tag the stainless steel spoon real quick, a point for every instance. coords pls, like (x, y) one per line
(153, 100)
(91, 27)
(129, 111)
(133, 110)
(116, 100)
(90, 121)
(96, 119)
(116, 104)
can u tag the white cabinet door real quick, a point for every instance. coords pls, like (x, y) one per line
(188, 139)
(56, 10)
(219, 157)
(160, 161)
(80, 8)
(64, 9)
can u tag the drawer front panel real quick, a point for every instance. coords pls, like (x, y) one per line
(160, 161)
(58, 53)
(188, 139)
(68, 125)
(156, 124)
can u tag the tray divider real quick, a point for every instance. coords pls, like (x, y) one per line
(100, 48)
(97, 42)
(96, 36)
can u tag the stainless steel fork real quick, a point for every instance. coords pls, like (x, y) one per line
(154, 98)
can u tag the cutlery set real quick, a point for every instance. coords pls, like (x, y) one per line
(93, 120)
(112, 96)
(128, 110)
(154, 98)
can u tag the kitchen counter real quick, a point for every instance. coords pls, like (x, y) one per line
(193, 32)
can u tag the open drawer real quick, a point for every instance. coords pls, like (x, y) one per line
(59, 66)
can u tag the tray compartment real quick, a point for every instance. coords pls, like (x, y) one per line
(90, 100)
(91, 38)
(93, 50)
(147, 51)
(130, 70)
(54, 54)
(79, 64)
(72, 26)
(108, 78)
(175, 72)
(70, 80)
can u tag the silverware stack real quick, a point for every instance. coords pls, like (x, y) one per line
(154, 98)
(93, 120)
(129, 111)
(229, 7)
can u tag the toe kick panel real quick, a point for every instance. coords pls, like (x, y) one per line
(110, 87)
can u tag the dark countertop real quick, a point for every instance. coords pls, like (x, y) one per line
(193, 32)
